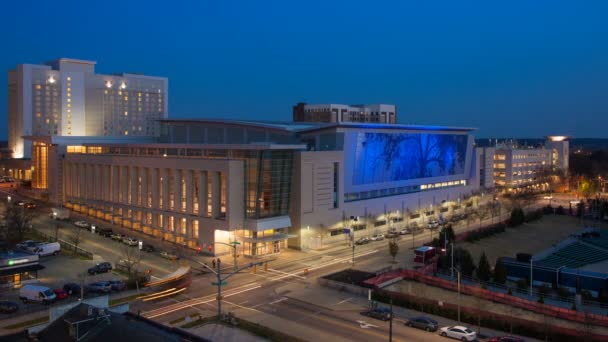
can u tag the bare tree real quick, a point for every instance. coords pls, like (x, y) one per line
(57, 227)
(75, 238)
(18, 223)
(482, 213)
(130, 258)
(393, 248)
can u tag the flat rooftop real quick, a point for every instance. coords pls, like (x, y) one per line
(293, 126)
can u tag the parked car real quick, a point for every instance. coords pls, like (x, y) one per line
(105, 232)
(391, 235)
(148, 248)
(117, 236)
(60, 293)
(102, 267)
(169, 255)
(459, 332)
(380, 313)
(44, 249)
(117, 285)
(25, 245)
(72, 289)
(81, 224)
(433, 224)
(8, 307)
(30, 205)
(129, 241)
(423, 323)
(36, 293)
(377, 237)
(405, 231)
(362, 241)
(99, 287)
(506, 339)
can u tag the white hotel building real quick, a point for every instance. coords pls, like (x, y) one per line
(65, 97)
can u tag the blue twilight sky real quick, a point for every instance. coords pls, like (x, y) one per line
(511, 68)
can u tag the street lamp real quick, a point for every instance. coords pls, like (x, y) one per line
(458, 272)
(353, 219)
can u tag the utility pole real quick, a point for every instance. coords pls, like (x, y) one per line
(390, 327)
(222, 282)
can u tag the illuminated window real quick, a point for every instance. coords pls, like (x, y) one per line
(126, 132)
(38, 86)
(69, 78)
(126, 113)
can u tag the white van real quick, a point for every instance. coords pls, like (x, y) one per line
(44, 249)
(36, 293)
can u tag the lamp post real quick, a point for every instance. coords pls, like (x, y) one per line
(458, 273)
(353, 219)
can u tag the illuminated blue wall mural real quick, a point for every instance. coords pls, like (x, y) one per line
(389, 157)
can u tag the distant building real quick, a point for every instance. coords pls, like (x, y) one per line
(65, 97)
(559, 146)
(338, 113)
(512, 167)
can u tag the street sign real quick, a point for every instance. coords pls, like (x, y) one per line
(92, 228)
(141, 245)
(235, 243)
(222, 283)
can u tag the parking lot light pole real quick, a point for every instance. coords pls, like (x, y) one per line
(458, 273)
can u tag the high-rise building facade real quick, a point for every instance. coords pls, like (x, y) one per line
(65, 97)
(338, 113)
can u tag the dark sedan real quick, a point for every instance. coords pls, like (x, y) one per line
(8, 307)
(423, 323)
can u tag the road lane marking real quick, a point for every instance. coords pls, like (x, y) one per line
(278, 300)
(344, 301)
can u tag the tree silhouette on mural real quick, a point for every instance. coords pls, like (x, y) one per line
(408, 156)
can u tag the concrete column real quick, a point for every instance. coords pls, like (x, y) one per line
(115, 183)
(98, 182)
(154, 186)
(165, 189)
(189, 192)
(124, 184)
(202, 193)
(216, 193)
(67, 180)
(134, 177)
(144, 187)
(83, 182)
(107, 182)
(177, 190)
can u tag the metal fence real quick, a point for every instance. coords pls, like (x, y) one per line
(66, 245)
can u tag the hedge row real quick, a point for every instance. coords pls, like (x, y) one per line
(479, 234)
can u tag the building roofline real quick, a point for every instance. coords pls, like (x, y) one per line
(292, 126)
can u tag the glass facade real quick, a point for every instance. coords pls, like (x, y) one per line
(267, 183)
